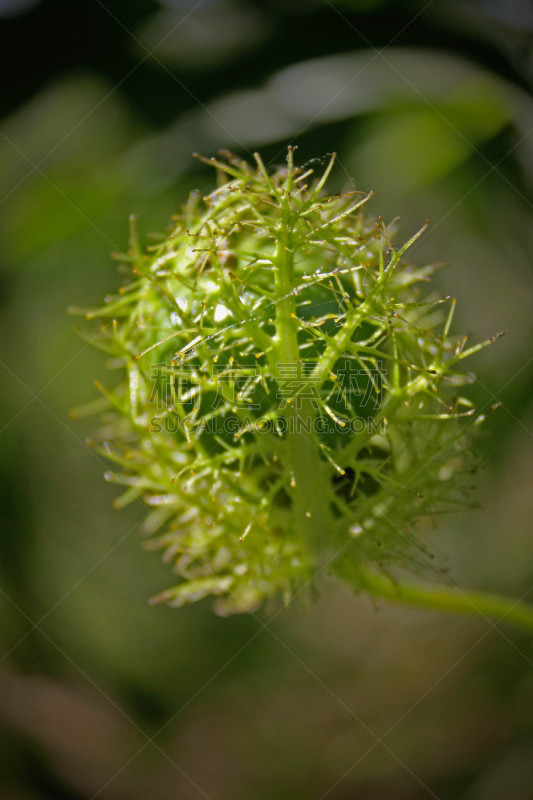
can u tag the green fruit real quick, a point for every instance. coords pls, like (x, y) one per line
(289, 406)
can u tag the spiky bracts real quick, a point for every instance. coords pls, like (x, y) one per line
(289, 403)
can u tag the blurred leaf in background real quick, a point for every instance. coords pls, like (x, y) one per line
(203, 37)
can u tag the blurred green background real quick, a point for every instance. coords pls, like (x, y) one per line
(102, 696)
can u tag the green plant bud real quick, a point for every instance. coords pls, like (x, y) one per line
(290, 403)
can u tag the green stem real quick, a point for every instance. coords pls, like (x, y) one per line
(448, 598)
(306, 472)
